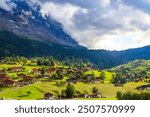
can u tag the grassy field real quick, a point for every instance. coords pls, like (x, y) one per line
(38, 90)
(106, 89)
(108, 75)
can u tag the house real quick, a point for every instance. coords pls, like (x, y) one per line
(127, 79)
(50, 70)
(84, 96)
(144, 87)
(16, 69)
(118, 84)
(6, 81)
(21, 83)
(9, 82)
(46, 76)
(48, 96)
(36, 71)
(73, 79)
(21, 75)
(28, 79)
(138, 79)
(96, 95)
(3, 77)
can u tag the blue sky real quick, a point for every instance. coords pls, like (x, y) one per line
(102, 24)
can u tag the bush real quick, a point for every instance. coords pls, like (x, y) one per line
(119, 95)
(133, 96)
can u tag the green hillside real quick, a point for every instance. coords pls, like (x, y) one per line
(81, 74)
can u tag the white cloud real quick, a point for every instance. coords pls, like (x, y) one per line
(112, 28)
(102, 24)
(62, 13)
(4, 5)
(7, 5)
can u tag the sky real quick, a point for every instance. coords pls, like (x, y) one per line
(101, 24)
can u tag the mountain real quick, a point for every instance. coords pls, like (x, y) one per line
(11, 44)
(26, 20)
(131, 54)
(25, 32)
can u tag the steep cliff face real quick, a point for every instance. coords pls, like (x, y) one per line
(26, 20)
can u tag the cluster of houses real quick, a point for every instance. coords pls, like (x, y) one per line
(144, 87)
(37, 71)
(16, 69)
(87, 78)
(96, 95)
(26, 80)
(50, 96)
(6, 81)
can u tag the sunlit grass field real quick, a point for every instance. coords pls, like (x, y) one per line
(38, 90)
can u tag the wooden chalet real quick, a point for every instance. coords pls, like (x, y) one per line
(48, 96)
(16, 69)
(21, 75)
(50, 70)
(9, 82)
(74, 79)
(118, 84)
(144, 87)
(6, 81)
(96, 95)
(36, 71)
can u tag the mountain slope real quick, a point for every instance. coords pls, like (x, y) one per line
(24, 31)
(11, 44)
(131, 54)
(26, 20)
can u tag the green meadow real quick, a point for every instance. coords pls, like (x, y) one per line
(39, 89)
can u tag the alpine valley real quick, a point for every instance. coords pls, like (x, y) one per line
(39, 60)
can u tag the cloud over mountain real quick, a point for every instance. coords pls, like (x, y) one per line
(4, 5)
(106, 24)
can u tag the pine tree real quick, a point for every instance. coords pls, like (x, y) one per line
(70, 91)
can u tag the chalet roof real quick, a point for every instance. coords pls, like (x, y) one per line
(15, 69)
(48, 94)
(36, 70)
(21, 75)
(9, 81)
(3, 75)
(143, 86)
(4, 79)
(50, 70)
(27, 77)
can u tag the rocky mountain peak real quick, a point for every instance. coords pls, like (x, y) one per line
(25, 19)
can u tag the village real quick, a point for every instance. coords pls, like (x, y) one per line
(22, 77)
(18, 76)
